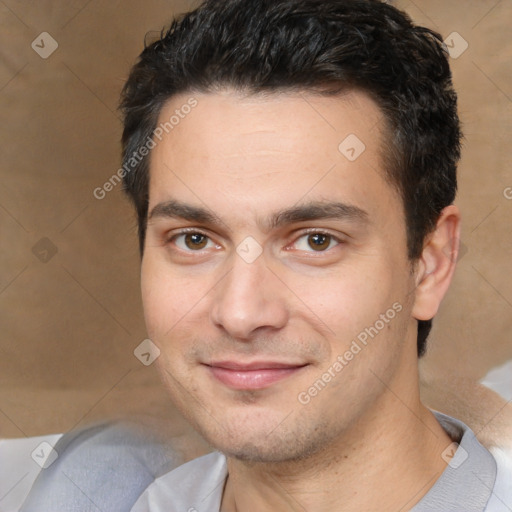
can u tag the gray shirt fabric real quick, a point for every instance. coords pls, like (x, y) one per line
(472, 482)
(467, 481)
(102, 468)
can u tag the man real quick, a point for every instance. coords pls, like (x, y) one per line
(293, 168)
(297, 235)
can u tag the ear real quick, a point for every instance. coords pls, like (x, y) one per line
(435, 268)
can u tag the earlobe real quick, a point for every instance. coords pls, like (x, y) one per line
(436, 266)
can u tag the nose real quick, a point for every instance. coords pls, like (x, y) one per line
(249, 298)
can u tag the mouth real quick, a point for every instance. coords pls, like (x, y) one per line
(254, 375)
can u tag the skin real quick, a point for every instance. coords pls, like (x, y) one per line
(365, 440)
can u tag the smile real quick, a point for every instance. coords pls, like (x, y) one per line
(252, 376)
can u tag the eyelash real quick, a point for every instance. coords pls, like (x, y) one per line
(188, 231)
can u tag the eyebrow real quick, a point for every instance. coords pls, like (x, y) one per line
(316, 210)
(179, 210)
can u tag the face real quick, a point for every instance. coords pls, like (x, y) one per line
(275, 277)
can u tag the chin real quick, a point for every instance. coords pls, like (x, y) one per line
(283, 452)
(262, 453)
(268, 445)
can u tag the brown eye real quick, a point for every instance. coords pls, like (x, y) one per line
(192, 241)
(195, 241)
(316, 242)
(319, 241)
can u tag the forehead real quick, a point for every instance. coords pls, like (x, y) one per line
(258, 152)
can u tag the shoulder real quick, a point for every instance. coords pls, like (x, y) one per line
(106, 466)
(471, 477)
(501, 498)
(196, 486)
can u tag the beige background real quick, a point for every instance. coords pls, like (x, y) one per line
(70, 324)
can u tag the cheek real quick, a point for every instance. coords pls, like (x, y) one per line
(172, 299)
(160, 297)
(348, 300)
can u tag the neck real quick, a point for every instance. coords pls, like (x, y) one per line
(388, 460)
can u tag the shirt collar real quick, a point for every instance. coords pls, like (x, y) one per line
(468, 480)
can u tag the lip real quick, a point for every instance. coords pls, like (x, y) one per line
(254, 375)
